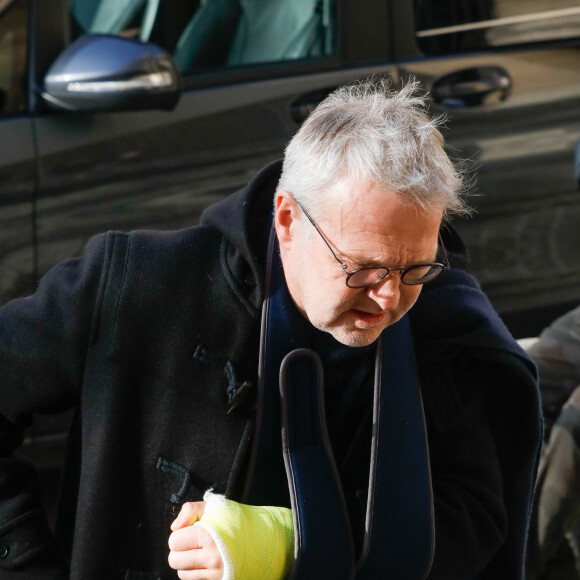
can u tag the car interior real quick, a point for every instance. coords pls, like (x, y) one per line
(217, 33)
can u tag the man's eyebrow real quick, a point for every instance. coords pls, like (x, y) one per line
(369, 264)
(378, 264)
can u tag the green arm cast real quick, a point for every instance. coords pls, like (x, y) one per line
(255, 543)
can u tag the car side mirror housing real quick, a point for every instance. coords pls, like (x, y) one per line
(110, 73)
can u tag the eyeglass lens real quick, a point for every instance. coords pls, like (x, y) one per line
(419, 274)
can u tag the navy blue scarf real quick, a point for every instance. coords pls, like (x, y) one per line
(398, 539)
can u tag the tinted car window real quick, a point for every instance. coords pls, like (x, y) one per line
(13, 55)
(216, 34)
(464, 25)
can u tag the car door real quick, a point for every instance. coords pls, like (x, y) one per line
(241, 103)
(251, 72)
(17, 156)
(507, 74)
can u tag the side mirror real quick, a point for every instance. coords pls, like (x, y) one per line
(111, 73)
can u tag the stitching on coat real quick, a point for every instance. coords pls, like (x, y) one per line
(9, 523)
(176, 470)
(121, 286)
(102, 290)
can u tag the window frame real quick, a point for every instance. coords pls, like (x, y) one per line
(360, 41)
(352, 33)
(484, 25)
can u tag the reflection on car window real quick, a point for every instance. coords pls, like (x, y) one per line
(13, 55)
(207, 35)
(464, 25)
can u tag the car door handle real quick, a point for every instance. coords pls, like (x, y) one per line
(472, 87)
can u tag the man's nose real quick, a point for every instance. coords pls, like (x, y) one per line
(387, 292)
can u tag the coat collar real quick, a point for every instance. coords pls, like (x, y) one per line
(242, 218)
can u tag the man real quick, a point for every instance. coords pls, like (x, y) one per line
(155, 339)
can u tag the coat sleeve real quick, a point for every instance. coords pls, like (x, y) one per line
(470, 515)
(43, 342)
(484, 423)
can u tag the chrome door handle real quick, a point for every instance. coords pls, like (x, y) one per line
(472, 87)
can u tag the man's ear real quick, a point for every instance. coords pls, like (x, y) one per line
(286, 218)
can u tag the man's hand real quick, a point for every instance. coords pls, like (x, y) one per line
(193, 553)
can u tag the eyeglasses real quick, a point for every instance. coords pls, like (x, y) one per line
(411, 275)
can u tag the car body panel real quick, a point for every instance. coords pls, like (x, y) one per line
(133, 170)
(17, 210)
(520, 144)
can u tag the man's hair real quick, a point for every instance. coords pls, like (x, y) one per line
(371, 133)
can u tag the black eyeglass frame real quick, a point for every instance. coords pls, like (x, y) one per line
(444, 265)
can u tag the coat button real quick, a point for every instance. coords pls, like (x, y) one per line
(4, 551)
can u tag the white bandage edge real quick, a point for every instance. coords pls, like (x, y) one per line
(214, 501)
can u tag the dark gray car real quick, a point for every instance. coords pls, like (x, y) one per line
(124, 114)
(86, 145)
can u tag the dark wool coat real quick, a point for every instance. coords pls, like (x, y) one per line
(116, 335)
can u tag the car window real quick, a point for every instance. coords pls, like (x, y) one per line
(13, 55)
(465, 25)
(206, 35)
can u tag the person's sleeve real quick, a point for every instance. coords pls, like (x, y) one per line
(255, 542)
(43, 342)
(559, 480)
(470, 515)
(557, 356)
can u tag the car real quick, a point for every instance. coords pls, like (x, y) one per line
(140, 113)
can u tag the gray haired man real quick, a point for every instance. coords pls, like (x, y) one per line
(170, 345)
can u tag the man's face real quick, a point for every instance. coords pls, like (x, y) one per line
(366, 226)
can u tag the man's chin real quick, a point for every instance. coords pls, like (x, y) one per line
(354, 337)
(356, 328)
(356, 334)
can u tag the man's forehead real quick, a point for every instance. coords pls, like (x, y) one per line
(350, 191)
(351, 202)
(347, 197)
(366, 216)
